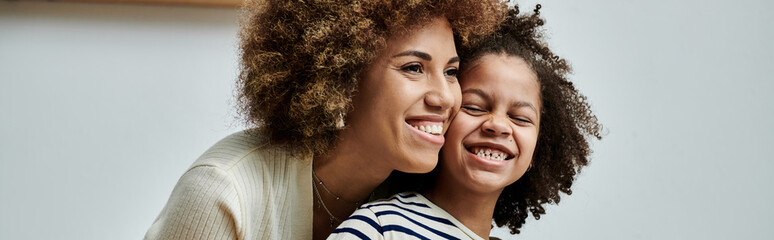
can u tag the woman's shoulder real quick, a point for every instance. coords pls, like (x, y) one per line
(248, 149)
(245, 162)
(241, 188)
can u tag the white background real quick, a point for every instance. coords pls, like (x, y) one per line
(102, 108)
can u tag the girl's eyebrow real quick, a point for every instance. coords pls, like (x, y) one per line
(478, 92)
(524, 104)
(486, 97)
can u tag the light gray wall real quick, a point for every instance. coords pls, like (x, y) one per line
(102, 107)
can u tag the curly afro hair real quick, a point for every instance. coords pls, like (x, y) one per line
(566, 124)
(301, 60)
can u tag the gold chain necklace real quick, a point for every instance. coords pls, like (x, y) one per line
(317, 180)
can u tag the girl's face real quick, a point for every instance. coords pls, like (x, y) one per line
(406, 99)
(491, 141)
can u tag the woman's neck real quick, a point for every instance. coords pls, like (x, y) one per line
(349, 174)
(473, 209)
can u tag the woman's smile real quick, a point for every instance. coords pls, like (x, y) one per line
(429, 128)
(406, 100)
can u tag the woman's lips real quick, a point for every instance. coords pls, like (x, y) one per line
(431, 127)
(428, 131)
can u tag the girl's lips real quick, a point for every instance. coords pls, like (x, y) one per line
(432, 138)
(493, 147)
(490, 153)
(488, 163)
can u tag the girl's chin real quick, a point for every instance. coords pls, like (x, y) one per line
(487, 182)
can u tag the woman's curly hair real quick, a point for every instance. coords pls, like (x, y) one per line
(566, 121)
(301, 60)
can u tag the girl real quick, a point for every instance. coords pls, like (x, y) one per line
(517, 142)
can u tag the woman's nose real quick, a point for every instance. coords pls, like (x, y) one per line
(440, 93)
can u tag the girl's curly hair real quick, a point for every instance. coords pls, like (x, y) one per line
(566, 123)
(566, 119)
(301, 60)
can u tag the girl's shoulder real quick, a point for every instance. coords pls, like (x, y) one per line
(405, 201)
(407, 215)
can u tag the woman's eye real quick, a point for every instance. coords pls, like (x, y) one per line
(451, 72)
(414, 68)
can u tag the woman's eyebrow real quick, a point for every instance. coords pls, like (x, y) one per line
(454, 60)
(422, 55)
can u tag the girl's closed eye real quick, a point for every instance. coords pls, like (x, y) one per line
(521, 119)
(473, 109)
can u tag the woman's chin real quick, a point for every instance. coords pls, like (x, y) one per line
(420, 165)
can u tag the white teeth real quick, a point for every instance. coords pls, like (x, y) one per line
(431, 129)
(487, 153)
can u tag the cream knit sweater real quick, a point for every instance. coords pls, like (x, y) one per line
(240, 189)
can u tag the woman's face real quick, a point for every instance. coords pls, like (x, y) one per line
(406, 98)
(491, 141)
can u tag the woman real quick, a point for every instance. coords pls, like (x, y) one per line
(342, 93)
(518, 141)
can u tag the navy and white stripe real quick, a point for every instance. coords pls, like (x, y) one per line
(402, 216)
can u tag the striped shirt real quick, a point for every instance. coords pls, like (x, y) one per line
(403, 216)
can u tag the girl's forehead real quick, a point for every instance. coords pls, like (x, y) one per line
(492, 70)
(501, 77)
